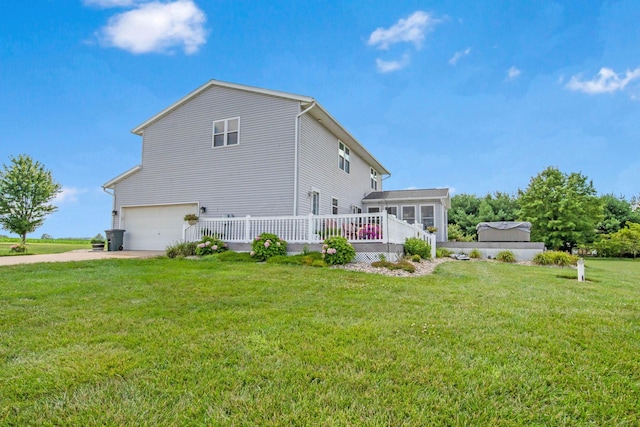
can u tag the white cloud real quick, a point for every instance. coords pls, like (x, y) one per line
(157, 27)
(68, 195)
(513, 73)
(606, 81)
(456, 56)
(389, 66)
(410, 30)
(110, 3)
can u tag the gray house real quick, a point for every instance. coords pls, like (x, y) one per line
(229, 150)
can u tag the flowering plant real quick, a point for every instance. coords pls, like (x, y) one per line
(191, 217)
(337, 250)
(267, 245)
(210, 245)
(369, 231)
(431, 229)
(18, 248)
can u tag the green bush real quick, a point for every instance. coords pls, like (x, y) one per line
(415, 246)
(267, 245)
(443, 253)
(475, 253)
(299, 259)
(210, 245)
(231, 256)
(454, 232)
(416, 258)
(337, 251)
(558, 258)
(506, 256)
(180, 250)
(400, 265)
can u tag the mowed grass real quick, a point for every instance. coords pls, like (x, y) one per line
(189, 342)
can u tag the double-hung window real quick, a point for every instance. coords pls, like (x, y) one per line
(374, 179)
(409, 214)
(226, 132)
(334, 206)
(343, 157)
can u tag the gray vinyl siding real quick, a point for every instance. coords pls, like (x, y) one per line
(319, 170)
(179, 164)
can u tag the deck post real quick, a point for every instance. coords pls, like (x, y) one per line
(310, 228)
(385, 227)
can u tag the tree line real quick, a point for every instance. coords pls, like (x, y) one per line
(564, 211)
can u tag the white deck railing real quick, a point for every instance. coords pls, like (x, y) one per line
(369, 228)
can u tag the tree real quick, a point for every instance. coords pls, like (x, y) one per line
(467, 210)
(26, 189)
(617, 212)
(563, 209)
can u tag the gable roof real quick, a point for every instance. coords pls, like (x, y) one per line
(318, 112)
(410, 195)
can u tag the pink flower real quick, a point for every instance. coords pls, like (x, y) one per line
(252, 253)
(214, 247)
(201, 245)
(267, 244)
(324, 251)
(207, 243)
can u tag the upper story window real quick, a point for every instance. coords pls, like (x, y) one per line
(374, 179)
(226, 132)
(343, 157)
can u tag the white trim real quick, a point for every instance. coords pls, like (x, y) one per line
(122, 176)
(138, 129)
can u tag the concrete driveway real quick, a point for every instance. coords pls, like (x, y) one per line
(79, 255)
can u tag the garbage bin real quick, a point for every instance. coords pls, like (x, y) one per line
(115, 239)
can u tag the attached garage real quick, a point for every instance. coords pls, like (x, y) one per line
(154, 227)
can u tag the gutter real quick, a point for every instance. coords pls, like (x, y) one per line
(113, 206)
(296, 166)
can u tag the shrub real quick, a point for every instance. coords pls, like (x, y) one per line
(210, 245)
(415, 246)
(99, 238)
(18, 248)
(443, 253)
(475, 253)
(180, 250)
(299, 259)
(400, 265)
(267, 245)
(337, 250)
(231, 256)
(416, 258)
(558, 258)
(506, 256)
(454, 232)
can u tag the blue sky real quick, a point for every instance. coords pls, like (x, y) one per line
(475, 96)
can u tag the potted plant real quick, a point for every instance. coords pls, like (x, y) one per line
(97, 243)
(191, 218)
(431, 229)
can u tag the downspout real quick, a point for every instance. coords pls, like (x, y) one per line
(296, 166)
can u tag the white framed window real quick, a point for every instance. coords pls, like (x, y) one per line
(343, 157)
(427, 215)
(226, 132)
(374, 178)
(334, 206)
(356, 209)
(409, 214)
(373, 209)
(392, 210)
(315, 203)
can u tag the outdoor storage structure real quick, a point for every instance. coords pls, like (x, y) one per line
(504, 231)
(115, 239)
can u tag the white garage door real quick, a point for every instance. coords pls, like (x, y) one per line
(154, 227)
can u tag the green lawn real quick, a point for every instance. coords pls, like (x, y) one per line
(36, 246)
(201, 342)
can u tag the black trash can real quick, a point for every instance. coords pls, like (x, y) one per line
(115, 239)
